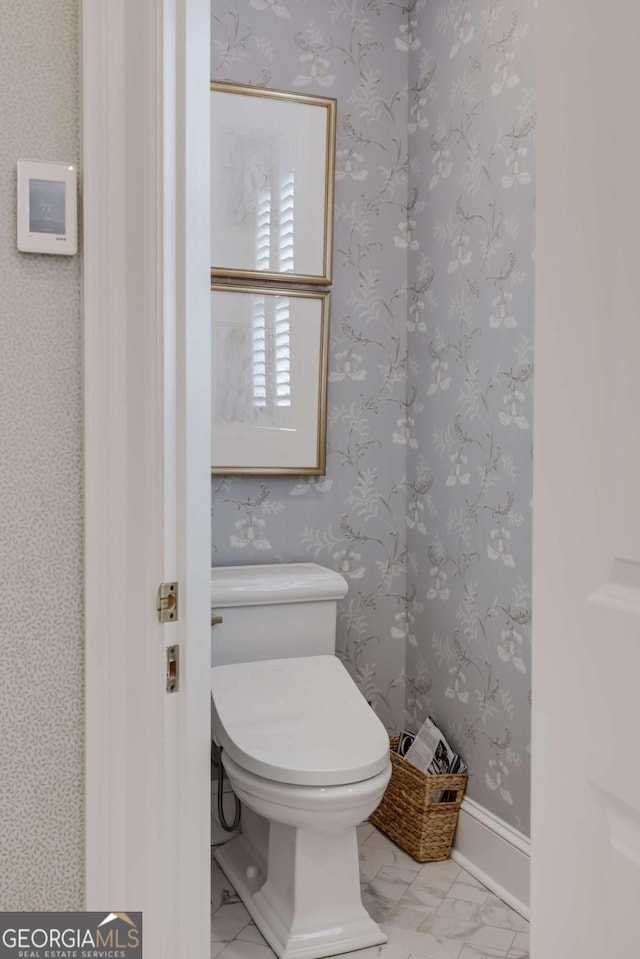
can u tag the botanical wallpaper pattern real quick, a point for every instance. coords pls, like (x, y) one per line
(425, 507)
(470, 346)
(352, 519)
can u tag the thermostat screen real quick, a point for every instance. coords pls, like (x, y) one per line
(46, 206)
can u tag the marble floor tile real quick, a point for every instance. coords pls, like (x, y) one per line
(469, 933)
(240, 949)
(473, 952)
(421, 944)
(439, 875)
(513, 918)
(520, 946)
(217, 947)
(387, 857)
(429, 911)
(425, 891)
(369, 869)
(222, 892)
(391, 883)
(491, 912)
(228, 921)
(364, 830)
(377, 848)
(467, 888)
(378, 838)
(386, 951)
(405, 915)
(376, 905)
(251, 933)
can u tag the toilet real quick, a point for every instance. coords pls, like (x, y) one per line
(304, 752)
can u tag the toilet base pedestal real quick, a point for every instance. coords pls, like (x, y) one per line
(308, 905)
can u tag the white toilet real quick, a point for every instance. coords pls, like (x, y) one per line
(304, 752)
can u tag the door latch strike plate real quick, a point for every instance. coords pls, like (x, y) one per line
(168, 602)
(173, 669)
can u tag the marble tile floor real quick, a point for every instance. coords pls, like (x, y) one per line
(430, 911)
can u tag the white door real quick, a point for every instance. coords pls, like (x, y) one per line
(147, 464)
(586, 775)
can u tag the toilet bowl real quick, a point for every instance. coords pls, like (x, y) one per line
(309, 760)
(304, 895)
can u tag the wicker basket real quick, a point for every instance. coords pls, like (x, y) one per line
(423, 828)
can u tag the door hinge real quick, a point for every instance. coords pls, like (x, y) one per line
(168, 602)
(173, 669)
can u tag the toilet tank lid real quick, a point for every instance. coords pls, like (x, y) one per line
(274, 583)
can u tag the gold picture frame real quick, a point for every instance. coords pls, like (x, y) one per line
(272, 184)
(269, 348)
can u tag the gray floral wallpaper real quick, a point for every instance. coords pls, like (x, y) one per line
(470, 348)
(352, 519)
(425, 507)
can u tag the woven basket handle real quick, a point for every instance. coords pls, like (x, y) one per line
(459, 793)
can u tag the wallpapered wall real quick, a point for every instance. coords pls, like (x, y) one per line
(41, 631)
(426, 503)
(470, 343)
(352, 519)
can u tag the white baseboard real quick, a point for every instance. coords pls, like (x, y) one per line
(495, 853)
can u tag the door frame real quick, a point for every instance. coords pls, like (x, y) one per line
(145, 90)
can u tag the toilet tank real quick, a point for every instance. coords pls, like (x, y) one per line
(273, 611)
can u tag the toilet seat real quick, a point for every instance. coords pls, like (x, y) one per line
(301, 721)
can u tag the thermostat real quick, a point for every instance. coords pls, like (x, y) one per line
(47, 207)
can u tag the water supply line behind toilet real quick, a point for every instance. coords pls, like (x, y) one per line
(216, 758)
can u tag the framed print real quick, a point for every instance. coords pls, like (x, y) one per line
(269, 349)
(272, 173)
